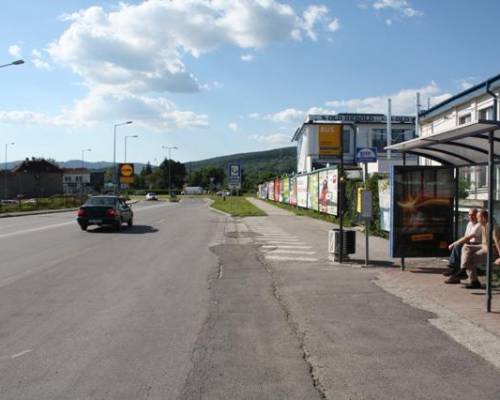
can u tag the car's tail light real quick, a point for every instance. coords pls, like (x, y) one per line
(110, 212)
(81, 212)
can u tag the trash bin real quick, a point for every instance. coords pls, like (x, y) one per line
(348, 242)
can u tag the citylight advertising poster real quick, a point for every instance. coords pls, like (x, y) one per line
(328, 191)
(286, 190)
(270, 190)
(384, 201)
(312, 192)
(302, 191)
(276, 190)
(421, 211)
(293, 191)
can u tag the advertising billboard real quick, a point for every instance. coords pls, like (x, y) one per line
(293, 191)
(312, 192)
(384, 202)
(328, 191)
(302, 191)
(286, 190)
(126, 173)
(270, 190)
(421, 211)
(277, 190)
(329, 140)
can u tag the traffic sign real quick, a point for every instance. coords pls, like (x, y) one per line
(126, 173)
(234, 175)
(366, 154)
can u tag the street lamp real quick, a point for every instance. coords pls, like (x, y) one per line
(126, 137)
(17, 62)
(169, 179)
(5, 172)
(83, 156)
(115, 175)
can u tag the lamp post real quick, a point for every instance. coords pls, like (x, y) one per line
(6, 170)
(115, 175)
(83, 156)
(168, 160)
(17, 62)
(125, 138)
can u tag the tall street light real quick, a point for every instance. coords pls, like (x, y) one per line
(6, 170)
(115, 175)
(169, 179)
(83, 156)
(126, 137)
(17, 62)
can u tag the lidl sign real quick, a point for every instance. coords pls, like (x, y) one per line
(126, 173)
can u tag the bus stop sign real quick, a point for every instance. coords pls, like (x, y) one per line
(366, 154)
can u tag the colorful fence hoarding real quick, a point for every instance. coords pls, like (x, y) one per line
(276, 190)
(328, 191)
(421, 211)
(286, 190)
(280, 198)
(312, 191)
(293, 191)
(302, 191)
(270, 190)
(384, 201)
(263, 191)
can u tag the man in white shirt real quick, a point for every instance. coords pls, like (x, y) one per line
(473, 235)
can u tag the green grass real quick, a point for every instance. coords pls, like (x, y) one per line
(310, 213)
(236, 206)
(47, 203)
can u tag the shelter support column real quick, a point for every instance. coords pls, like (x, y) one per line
(403, 257)
(457, 193)
(491, 182)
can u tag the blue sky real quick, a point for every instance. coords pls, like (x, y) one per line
(224, 76)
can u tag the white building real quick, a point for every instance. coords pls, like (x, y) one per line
(359, 130)
(76, 180)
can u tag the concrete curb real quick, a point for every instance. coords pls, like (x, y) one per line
(210, 202)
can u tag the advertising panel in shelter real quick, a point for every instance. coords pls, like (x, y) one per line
(328, 191)
(277, 190)
(293, 191)
(286, 190)
(421, 211)
(312, 191)
(302, 191)
(270, 190)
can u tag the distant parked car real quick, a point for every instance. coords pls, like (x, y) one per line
(105, 210)
(151, 196)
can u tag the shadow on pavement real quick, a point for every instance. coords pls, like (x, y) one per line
(376, 263)
(134, 230)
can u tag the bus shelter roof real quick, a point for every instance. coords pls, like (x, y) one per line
(462, 146)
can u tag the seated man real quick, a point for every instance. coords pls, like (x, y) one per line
(475, 254)
(472, 236)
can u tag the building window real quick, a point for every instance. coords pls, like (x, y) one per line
(379, 137)
(464, 119)
(67, 179)
(486, 113)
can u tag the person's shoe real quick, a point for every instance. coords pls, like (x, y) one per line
(462, 274)
(452, 280)
(473, 285)
(449, 272)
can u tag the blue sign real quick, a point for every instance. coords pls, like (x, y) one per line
(366, 154)
(234, 175)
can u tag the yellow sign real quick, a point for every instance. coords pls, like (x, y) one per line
(329, 139)
(126, 173)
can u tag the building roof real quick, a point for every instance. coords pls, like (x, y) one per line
(37, 165)
(462, 97)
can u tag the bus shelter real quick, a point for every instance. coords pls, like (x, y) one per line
(473, 144)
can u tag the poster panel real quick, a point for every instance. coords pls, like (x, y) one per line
(384, 202)
(329, 139)
(293, 191)
(312, 191)
(421, 211)
(302, 191)
(270, 190)
(333, 193)
(286, 190)
(276, 190)
(280, 198)
(323, 191)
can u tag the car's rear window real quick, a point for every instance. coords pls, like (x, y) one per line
(100, 201)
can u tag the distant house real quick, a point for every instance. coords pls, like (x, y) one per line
(76, 181)
(34, 177)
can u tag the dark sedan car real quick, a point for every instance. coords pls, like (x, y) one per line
(105, 210)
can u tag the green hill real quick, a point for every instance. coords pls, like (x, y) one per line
(275, 162)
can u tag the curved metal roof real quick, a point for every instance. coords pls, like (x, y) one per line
(463, 146)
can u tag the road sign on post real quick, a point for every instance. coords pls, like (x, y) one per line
(366, 154)
(126, 172)
(234, 176)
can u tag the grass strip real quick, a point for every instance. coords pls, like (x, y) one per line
(236, 206)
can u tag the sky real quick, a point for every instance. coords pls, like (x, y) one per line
(217, 77)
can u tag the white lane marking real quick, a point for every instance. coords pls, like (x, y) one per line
(292, 252)
(268, 246)
(283, 258)
(43, 228)
(282, 242)
(22, 353)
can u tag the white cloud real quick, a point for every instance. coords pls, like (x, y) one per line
(403, 102)
(388, 22)
(334, 25)
(466, 83)
(402, 7)
(311, 16)
(38, 61)
(247, 57)
(290, 115)
(25, 117)
(233, 126)
(272, 139)
(254, 115)
(15, 51)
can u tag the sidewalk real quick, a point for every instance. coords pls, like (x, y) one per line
(420, 285)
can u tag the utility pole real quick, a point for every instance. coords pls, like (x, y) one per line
(168, 160)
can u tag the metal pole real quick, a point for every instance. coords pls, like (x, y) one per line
(457, 176)
(403, 257)
(5, 173)
(169, 182)
(341, 197)
(417, 122)
(389, 127)
(367, 221)
(490, 258)
(114, 159)
(125, 155)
